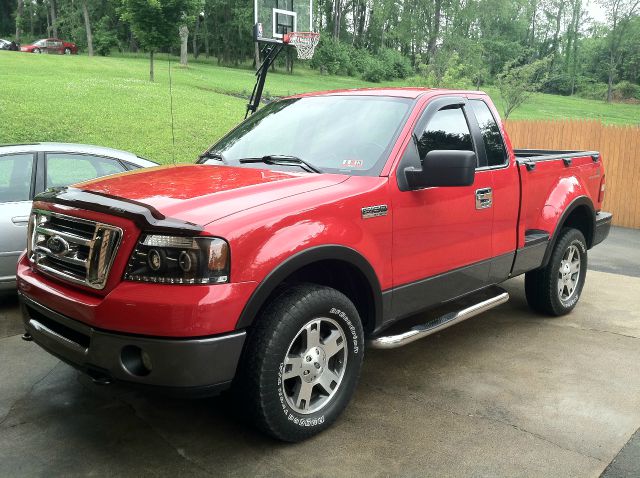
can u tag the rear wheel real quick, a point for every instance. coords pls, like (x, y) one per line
(301, 362)
(555, 289)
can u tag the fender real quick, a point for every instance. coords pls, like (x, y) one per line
(304, 258)
(573, 205)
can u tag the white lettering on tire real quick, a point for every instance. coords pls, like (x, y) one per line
(303, 422)
(354, 334)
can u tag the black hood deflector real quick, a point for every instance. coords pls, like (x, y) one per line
(144, 216)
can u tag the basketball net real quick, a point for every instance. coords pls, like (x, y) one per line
(304, 42)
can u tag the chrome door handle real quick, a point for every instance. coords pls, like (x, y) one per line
(484, 198)
(20, 220)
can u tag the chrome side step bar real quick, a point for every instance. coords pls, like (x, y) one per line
(420, 331)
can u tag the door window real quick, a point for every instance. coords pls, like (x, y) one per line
(448, 129)
(15, 177)
(64, 169)
(493, 144)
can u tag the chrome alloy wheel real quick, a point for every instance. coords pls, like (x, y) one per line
(314, 365)
(569, 273)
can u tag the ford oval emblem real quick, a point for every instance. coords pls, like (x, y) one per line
(57, 245)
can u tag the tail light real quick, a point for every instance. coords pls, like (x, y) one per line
(601, 193)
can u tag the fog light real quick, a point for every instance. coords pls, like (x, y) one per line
(154, 260)
(136, 361)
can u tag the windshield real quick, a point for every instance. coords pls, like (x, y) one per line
(40, 43)
(335, 134)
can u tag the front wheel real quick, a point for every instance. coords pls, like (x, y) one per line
(36, 50)
(67, 51)
(555, 289)
(301, 362)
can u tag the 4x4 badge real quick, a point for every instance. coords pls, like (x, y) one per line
(374, 211)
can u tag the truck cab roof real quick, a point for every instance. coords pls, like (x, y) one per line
(397, 92)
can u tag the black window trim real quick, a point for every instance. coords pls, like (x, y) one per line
(451, 102)
(507, 158)
(432, 106)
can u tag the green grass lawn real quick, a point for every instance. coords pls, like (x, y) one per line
(110, 102)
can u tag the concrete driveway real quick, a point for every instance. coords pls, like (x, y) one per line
(509, 393)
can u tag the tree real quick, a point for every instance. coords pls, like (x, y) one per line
(619, 16)
(54, 21)
(184, 42)
(517, 83)
(19, 17)
(87, 25)
(155, 23)
(105, 36)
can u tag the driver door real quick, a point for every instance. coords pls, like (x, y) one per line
(441, 235)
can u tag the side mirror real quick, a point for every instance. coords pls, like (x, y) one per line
(443, 167)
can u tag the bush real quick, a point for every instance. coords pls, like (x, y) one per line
(558, 83)
(331, 57)
(104, 39)
(625, 90)
(375, 71)
(591, 89)
(337, 58)
(395, 64)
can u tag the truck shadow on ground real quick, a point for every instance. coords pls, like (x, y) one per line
(102, 421)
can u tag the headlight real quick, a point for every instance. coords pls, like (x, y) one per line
(179, 260)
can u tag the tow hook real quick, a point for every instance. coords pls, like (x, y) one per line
(27, 337)
(101, 380)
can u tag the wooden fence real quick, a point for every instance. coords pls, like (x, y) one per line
(619, 146)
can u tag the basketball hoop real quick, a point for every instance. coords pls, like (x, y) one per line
(304, 42)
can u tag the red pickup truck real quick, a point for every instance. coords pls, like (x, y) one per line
(304, 236)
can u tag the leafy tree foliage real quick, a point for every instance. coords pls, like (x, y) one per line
(155, 22)
(517, 83)
(458, 43)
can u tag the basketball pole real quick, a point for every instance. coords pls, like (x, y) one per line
(270, 52)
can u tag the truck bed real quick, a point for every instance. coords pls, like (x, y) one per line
(545, 176)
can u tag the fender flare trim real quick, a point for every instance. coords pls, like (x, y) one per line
(302, 259)
(575, 203)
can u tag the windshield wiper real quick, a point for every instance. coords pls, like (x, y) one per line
(210, 155)
(283, 160)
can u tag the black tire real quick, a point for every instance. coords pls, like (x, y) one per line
(259, 388)
(67, 51)
(36, 50)
(542, 285)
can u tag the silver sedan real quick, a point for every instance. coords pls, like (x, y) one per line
(28, 169)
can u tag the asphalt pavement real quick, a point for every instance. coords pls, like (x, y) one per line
(508, 393)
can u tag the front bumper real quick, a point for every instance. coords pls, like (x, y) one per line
(603, 226)
(195, 366)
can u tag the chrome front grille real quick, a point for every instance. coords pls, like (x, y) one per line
(73, 249)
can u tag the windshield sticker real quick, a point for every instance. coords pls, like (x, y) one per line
(352, 163)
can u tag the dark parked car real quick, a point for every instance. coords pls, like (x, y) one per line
(51, 45)
(28, 169)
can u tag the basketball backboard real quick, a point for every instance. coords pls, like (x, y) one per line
(274, 18)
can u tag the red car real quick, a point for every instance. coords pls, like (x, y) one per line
(309, 233)
(51, 45)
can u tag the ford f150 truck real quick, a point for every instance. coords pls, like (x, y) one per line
(303, 236)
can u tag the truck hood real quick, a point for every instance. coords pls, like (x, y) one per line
(201, 194)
